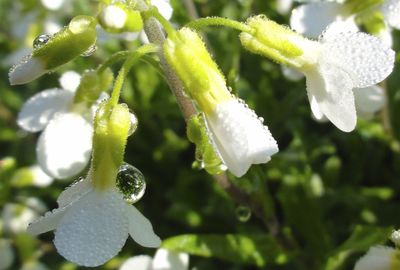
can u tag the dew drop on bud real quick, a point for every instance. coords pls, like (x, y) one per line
(91, 50)
(40, 41)
(243, 213)
(134, 124)
(130, 182)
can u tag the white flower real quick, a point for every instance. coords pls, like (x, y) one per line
(16, 217)
(283, 6)
(391, 11)
(239, 136)
(52, 4)
(39, 177)
(378, 258)
(64, 146)
(114, 16)
(33, 265)
(163, 260)
(91, 225)
(6, 254)
(344, 61)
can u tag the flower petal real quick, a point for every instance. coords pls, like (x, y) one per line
(364, 57)
(370, 99)
(48, 222)
(291, 74)
(164, 7)
(141, 229)
(240, 137)
(377, 258)
(70, 80)
(311, 19)
(29, 69)
(39, 109)
(94, 229)
(141, 262)
(332, 89)
(74, 192)
(63, 149)
(165, 260)
(391, 12)
(39, 177)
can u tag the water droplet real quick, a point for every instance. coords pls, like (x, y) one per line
(131, 183)
(91, 50)
(134, 124)
(40, 41)
(243, 213)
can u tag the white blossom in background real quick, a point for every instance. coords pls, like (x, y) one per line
(395, 237)
(91, 225)
(39, 177)
(284, 6)
(379, 258)
(64, 146)
(6, 254)
(239, 136)
(34, 265)
(53, 4)
(343, 60)
(163, 260)
(16, 217)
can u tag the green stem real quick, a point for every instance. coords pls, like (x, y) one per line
(126, 67)
(219, 21)
(113, 59)
(153, 12)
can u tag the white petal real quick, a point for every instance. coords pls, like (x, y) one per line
(391, 12)
(52, 4)
(377, 258)
(338, 27)
(141, 262)
(164, 7)
(332, 89)
(70, 80)
(64, 148)
(166, 260)
(370, 99)
(40, 178)
(366, 58)
(240, 137)
(74, 192)
(29, 69)
(311, 19)
(291, 74)
(113, 16)
(40, 108)
(316, 111)
(141, 229)
(283, 6)
(386, 36)
(94, 229)
(48, 222)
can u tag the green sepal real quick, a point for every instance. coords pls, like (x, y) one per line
(111, 127)
(68, 43)
(272, 40)
(206, 157)
(91, 85)
(186, 53)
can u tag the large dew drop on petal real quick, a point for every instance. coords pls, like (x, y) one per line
(39, 109)
(94, 229)
(63, 149)
(240, 136)
(365, 58)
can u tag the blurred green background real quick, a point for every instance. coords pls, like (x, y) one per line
(333, 194)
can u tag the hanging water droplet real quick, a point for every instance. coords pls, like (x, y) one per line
(134, 124)
(91, 50)
(40, 41)
(243, 213)
(131, 183)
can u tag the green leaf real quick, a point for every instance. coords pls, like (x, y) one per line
(258, 249)
(362, 238)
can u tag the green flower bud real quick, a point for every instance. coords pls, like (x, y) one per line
(111, 129)
(120, 17)
(64, 46)
(186, 53)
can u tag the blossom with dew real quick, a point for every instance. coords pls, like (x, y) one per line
(62, 151)
(338, 62)
(236, 132)
(379, 258)
(163, 260)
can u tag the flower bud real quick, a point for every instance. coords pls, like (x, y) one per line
(70, 42)
(119, 17)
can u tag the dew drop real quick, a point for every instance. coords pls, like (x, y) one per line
(131, 183)
(134, 124)
(91, 50)
(40, 41)
(243, 213)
